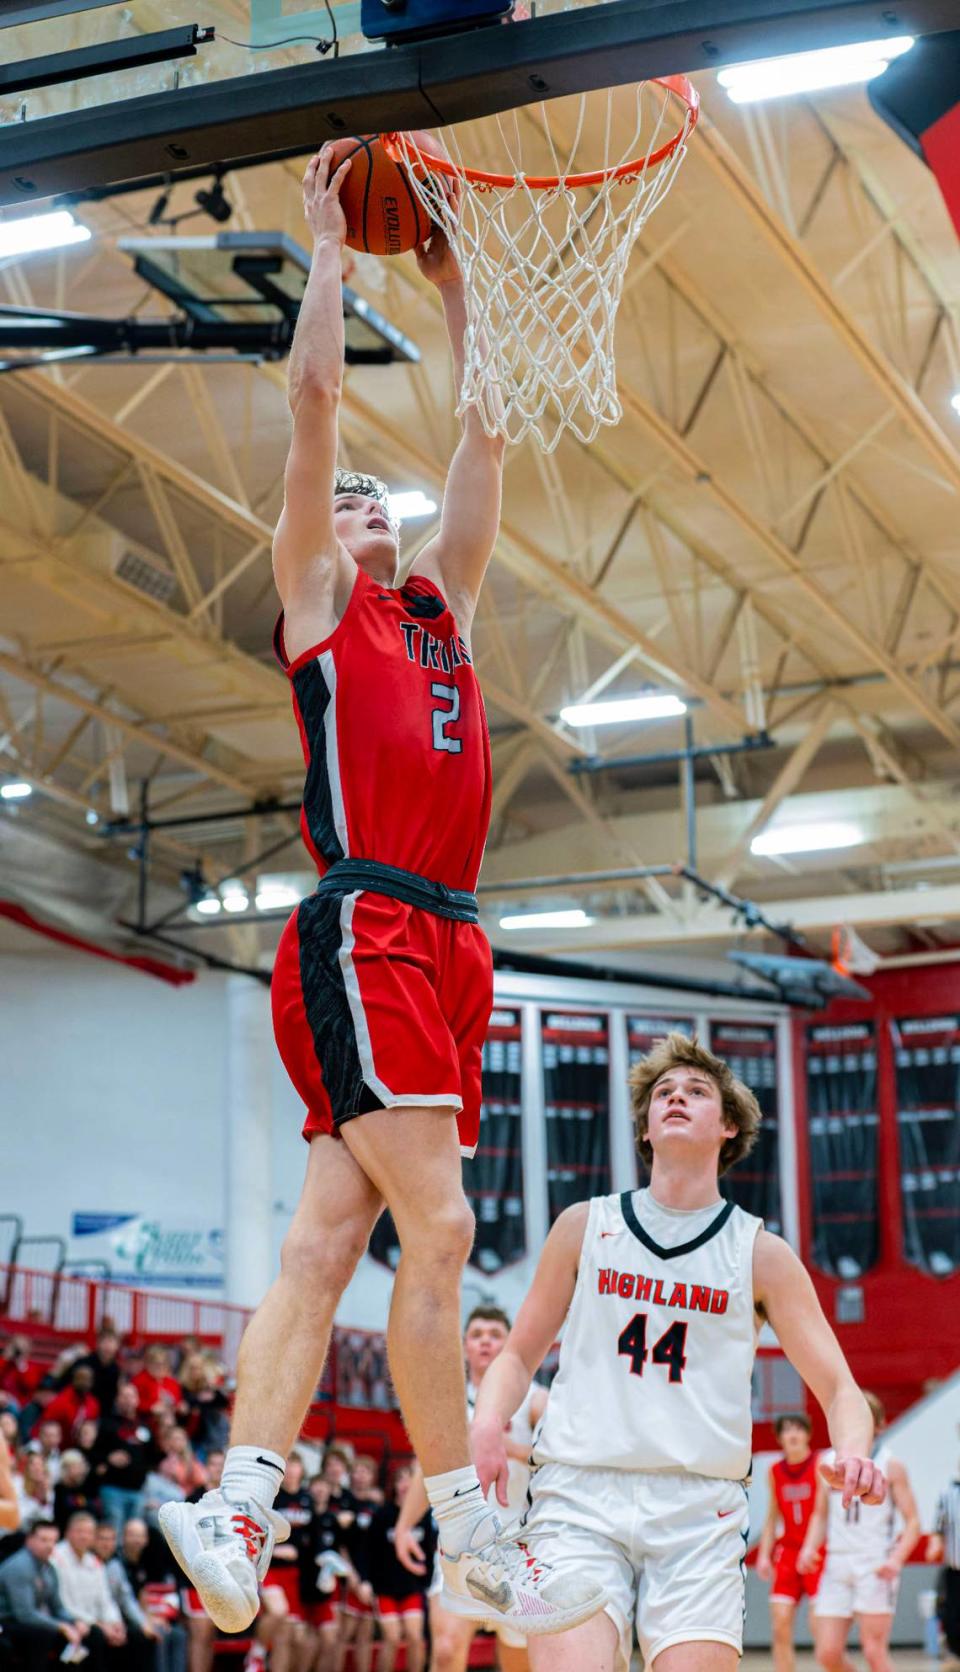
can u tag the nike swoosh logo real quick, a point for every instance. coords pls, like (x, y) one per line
(723, 1513)
(465, 1491)
(608, 1234)
(499, 1596)
(267, 1464)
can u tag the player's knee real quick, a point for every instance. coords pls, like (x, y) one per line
(782, 1632)
(875, 1655)
(323, 1259)
(443, 1237)
(447, 1652)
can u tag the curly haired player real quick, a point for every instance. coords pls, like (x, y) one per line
(641, 1459)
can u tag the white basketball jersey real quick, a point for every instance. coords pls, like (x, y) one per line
(521, 1433)
(862, 1530)
(657, 1354)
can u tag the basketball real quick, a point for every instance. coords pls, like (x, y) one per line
(384, 215)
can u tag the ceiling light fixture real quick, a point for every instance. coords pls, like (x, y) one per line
(41, 232)
(811, 72)
(277, 897)
(955, 402)
(234, 896)
(575, 919)
(16, 791)
(620, 710)
(404, 506)
(209, 906)
(806, 838)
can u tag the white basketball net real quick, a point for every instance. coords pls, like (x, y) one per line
(544, 267)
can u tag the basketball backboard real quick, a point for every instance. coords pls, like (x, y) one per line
(96, 129)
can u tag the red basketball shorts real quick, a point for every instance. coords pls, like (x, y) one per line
(381, 1005)
(789, 1585)
(325, 1613)
(285, 1576)
(400, 1605)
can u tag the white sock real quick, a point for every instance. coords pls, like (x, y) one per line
(252, 1472)
(464, 1518)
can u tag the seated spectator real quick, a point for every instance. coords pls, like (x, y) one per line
(186, 1470)
(188, 1348)
(336, 1473)
(157, 1389)
(34, 1492)
(73, 1490)
(20, 1373)
(48, 1442)
(214, 1467)
(124, 1454)
(143, 1633)
(87, 1441)
(161, 1487)
(74, 1404)
(33, 1616)
(400, 1594)
(103, 1365)
(9, 1430)
(31, 1415)
(84, 1588)
(153, 1577)
(205, 1417)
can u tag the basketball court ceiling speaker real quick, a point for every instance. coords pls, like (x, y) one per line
(919, 96)
(406, 20)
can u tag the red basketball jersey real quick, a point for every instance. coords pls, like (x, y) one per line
(796, 1488)
(394, 736)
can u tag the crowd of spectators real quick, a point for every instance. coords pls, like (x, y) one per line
(93, 1445)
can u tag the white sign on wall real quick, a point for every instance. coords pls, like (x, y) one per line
(146, 1251)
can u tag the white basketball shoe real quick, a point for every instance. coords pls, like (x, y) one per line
(503, 1583)
(224, 1547)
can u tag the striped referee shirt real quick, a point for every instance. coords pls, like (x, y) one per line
(948, 1523)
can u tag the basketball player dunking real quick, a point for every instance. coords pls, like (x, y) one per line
(793, 1493)
(641, 1459)
(484, 1337)
(382, 986)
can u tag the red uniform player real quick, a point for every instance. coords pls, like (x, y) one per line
(382, 987)
(378, 1001)
(793, 1494)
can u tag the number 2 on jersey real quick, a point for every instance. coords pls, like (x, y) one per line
(670, 1349)
(444, 715)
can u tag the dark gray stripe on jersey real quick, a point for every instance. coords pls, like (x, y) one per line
(313, 699)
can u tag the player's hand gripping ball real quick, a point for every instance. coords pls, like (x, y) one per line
(383, 214)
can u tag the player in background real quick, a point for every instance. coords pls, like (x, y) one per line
(324, 1563)
(861, 1572)
(484, 1336)
(399, 1593)
(358, 1616)
(792, 1495)
(641, 1459)
(382, 985)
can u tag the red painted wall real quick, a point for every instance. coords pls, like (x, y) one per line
(911, 1331)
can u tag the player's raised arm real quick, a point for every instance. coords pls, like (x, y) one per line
(457, 557)
(306, 552)
(538, 1323)
(787, 1298)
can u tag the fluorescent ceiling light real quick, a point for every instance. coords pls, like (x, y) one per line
(234, 896)
(548, 920)
(275, 896)
(41, 232)
(809, 72)
(16, 792)
(955, 402)
(403, 506)
(621, 709)
(209, 906)
(91, 816)
(806, 838)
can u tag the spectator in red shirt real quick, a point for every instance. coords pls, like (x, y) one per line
(20, 1374)
(74, 1404)
(156, 1389)
(186, 1469)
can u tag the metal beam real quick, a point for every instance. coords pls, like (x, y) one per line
(786, 781)
(422, 85)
